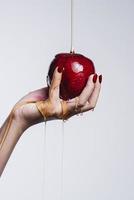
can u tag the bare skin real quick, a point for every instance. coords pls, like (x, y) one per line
(27, 115)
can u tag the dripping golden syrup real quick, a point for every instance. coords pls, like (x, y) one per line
(44, 160)
(62, 161)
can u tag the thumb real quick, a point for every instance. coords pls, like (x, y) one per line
(54, 89)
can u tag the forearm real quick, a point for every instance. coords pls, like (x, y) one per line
(14, 133)
(3, 128)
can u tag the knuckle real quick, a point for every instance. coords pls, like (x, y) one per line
(92, 105)
(55, 87)
(81, 104)
(16, 113)
(51, 92)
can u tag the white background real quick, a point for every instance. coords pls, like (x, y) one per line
(99, 146)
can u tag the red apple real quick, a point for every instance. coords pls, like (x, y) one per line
(77, 69)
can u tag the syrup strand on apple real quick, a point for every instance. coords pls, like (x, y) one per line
(72, 27)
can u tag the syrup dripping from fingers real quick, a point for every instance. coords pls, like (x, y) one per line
(62, 160)
(44, 153)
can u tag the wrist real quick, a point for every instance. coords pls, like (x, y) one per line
(19, 122)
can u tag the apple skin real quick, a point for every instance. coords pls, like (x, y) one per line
(77, 69)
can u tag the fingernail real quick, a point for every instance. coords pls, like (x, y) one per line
(95, 78)
(100, 78)
(60, 69)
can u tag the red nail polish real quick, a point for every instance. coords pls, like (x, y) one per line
(95, 78)
(60, 69)
(100, 78)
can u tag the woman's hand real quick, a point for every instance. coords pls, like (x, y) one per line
(28, 114)
(28, 111)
